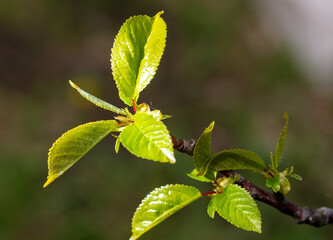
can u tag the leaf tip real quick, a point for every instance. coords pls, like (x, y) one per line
(211, 126)
(72, 84)
(49, 180)
(159, 13)
(286, 117)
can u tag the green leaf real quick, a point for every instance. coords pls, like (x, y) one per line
(237, 206)
(211, 208)
(116, 146)
(281, 143)
(136, 54)
(74, 144)
(285, 186)
(161, 204)
(201, 151)
(273, 183)
(234, 159)
(148, 138)
(194, 175)
(296, 176)
(98, 102)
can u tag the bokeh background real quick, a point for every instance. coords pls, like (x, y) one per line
(240, 63)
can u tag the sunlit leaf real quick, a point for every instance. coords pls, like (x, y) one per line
(148, 138)
(161, 204)
(234, 159)
(74, 144)
(281, 143)
(237, 206)
(117, 145)
(136, 54)
(98, 102)
(201, 151)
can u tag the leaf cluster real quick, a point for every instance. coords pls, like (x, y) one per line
(136, 53)
(135, 56)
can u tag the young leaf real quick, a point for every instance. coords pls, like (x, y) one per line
(148, 138)
(116, 146)
(296, 176)
(75, 143)
(285, 186)
(274, 183)
(98, 102)
(194, 175)
(201, 151)
(281, 143)
(234, 159)
(136, 54)
(161, 204)
(237, 206)
(211, 208)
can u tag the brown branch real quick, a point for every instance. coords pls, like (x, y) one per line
(184, 146)
(315, 217)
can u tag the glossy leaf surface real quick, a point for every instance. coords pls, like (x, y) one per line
(237, 206)
(74, 144)
(98, 102)
(136, 54)
(161, 204)
(234, 159)
(201, 151)
(148, 138)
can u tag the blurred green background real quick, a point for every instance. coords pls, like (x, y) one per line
(218, 65)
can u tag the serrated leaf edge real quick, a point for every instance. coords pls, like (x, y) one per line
(204, 169)
(246, 192)
(50, 179)
(184, 204)
(121, 94)
(163, 150)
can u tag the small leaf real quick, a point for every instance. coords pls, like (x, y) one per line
(296, 176)
(237, 206)
(201, 151)
(273, 183)
(211, 208)
(281, 143)
(272, 161)
(161, 204)
(116, 146)
(74, 144)
(285, 186)
(148, 138)
(194, 175)
(98, 102)
(234, 159)
(136, 54)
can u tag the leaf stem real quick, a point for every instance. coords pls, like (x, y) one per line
(208, 193)
(134, 108)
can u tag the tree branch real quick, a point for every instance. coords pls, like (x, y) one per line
(315, 217)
